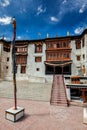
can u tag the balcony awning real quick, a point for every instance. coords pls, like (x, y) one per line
(58, 64)
(22, 53)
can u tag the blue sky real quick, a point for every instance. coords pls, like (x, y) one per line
(37, 18)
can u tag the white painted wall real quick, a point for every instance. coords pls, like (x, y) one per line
(32, 65)
(73, 58)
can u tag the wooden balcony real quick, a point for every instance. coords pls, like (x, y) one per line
(21, 59)
(57, 49)
(58, 59)
(21, 62)
(22, 49)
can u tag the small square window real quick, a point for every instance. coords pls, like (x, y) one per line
(83, 56)
(37, 69)
(7, 58)
(78, 58)
(6, 67)
(38, 48)
(38, 59)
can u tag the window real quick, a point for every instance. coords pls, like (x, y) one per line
(38, 59)
(61, 45)
(6, 67)
(83, 56)
(65, 55)
(6, 48)
(7, 58)
(60, 55)
(37, 69)
(21, 49)
(78, 44)
(58, 45)
(38, 48)
(23, 69)
(78, 58)
(64, 44)
(48, 45)
(56, 56)
(20, 59)
(55, 45)
(83, 42)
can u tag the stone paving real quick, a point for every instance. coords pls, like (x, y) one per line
(42, 116)
(39, 115)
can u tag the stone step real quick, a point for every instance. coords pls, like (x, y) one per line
(58, 94)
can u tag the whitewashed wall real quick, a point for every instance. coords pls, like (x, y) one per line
(84, 51)
(32, 65)
(73, 58)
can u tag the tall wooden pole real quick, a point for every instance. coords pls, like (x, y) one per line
(14, 62)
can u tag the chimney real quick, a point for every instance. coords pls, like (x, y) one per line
(47, 35)
(68, 33)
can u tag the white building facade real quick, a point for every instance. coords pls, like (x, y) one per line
(34, 69)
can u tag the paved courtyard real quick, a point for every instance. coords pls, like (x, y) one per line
(39, 114)
(42, 116)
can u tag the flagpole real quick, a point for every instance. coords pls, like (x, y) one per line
(14, 62)
(14, 113)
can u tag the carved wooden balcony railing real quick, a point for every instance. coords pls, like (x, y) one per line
(58, 59)
(21, 59)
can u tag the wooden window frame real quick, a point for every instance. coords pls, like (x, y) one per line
(21, 59)
(38, 59)
(78, 57)
(7, 59)
(23, 69)
(38, 48)
(78, 44)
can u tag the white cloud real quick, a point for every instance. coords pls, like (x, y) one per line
(53, 19)
(78, 30)
(64, 1)
(40, 10)
(22, 11)
(71, 6)
(5, 20)
(82, 8)
(4, 3)
(19, 37)
(7, 38)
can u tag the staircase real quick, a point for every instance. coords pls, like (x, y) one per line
(58, 92)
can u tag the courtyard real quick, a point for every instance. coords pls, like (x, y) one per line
(39, 114)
